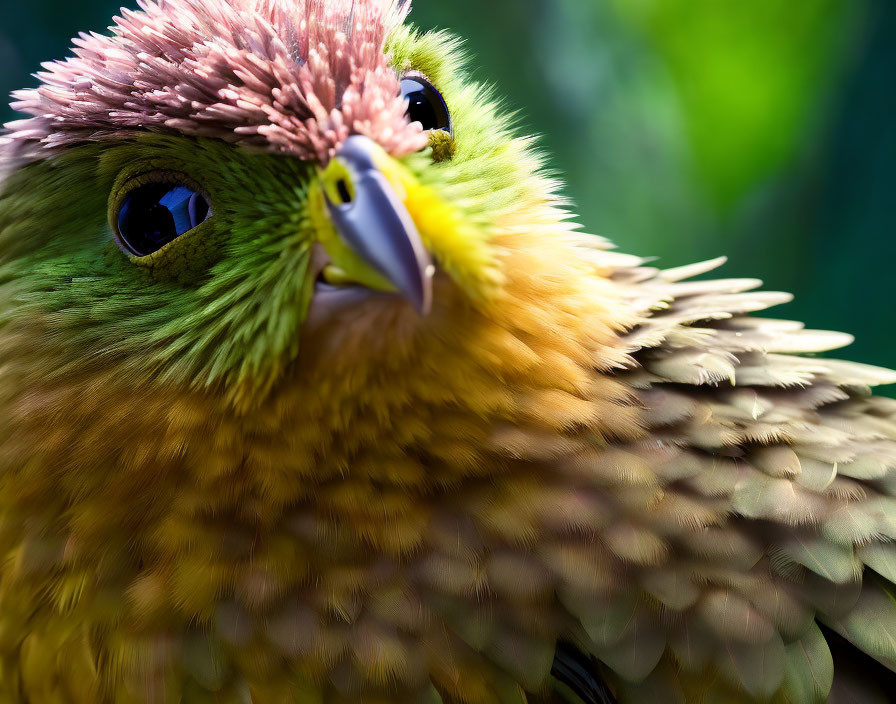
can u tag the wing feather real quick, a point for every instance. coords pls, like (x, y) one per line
(777, 472)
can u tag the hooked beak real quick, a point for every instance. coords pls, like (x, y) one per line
(369, 217)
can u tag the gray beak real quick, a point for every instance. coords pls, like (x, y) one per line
(377, 226)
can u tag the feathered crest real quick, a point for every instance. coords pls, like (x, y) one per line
(292, 76)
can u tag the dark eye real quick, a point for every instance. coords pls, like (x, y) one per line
(425, 104)
(153, 214)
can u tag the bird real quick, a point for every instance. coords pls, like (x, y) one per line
(312, 389)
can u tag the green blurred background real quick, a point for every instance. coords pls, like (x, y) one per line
(686, 129)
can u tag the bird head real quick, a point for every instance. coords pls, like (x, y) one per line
(295, 223)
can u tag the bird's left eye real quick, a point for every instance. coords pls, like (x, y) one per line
(425, 104)
(153, 214)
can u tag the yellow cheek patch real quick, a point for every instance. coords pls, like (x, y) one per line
(458, 247)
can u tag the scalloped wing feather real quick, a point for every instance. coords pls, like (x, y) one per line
(776, 509)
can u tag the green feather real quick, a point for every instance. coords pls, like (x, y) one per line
(809, 669)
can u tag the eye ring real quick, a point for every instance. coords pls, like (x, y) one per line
(426, 104)
(156, 208)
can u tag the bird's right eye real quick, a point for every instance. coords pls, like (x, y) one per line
(156, 213)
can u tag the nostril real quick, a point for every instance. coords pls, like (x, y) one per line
(345, 193)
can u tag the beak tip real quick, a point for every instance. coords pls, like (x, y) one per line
(425, 304)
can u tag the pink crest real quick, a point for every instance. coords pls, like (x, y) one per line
(290, 76)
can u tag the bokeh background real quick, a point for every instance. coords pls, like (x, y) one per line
(764, 130)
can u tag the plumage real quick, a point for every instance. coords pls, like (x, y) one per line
(242, 468)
